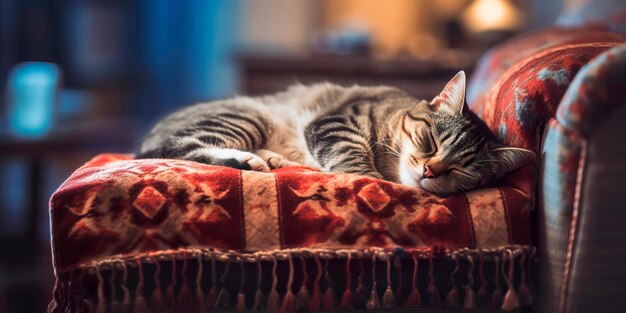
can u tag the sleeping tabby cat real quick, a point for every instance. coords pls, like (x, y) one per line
(375, 131)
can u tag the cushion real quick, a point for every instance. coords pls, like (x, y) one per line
(161, 235)
(115, 205)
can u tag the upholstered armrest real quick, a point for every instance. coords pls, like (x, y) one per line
(582, 188)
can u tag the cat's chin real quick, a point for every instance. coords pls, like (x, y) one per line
(409, 180)
(433, 186)
(428, 184)
(408, 177)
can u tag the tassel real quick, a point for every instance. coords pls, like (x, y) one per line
(289, 302)
(85, 303)
(68, 297)
(316, 298)
(101, 307)
(57, 305)
(414, 300)
(140, 302)
(170, 299)
(259, 298)
(223, 296)
(483, 296)
(273, 299)
(128, 306)
(525, 295)
(433, 292)
(328, 300)
(452, 298)
(199, 299)
(496, 297)
(399, 290)
(470, 299)
(273, 302)
(240, 305)
(303, 298)
(470, 295)
(347, 300)
(373, 303)
(223, 299)
(360, 293)
(259, 301)
(389, 300)
(140, 305)
(211, 299)
(511, 299)
(435, 297)
(157, 304)
(116, 305)
(186, 301)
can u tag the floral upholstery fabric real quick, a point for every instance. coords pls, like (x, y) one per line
(595, 93)
(518, 86)
(115, 205)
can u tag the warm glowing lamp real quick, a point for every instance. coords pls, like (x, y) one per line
(492, 15)
(31, 97)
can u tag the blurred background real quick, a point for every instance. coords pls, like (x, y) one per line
(82, 77)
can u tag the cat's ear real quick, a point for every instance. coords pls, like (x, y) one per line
(452, 98)
(509, 158)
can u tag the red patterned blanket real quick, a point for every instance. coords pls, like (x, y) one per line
(115, 205)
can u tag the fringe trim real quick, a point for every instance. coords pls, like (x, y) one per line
(184, 289)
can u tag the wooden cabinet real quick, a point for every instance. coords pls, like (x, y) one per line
(262, 74)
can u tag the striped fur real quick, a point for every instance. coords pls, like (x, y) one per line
(376, 131)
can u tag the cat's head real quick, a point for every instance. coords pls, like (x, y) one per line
(446, 149)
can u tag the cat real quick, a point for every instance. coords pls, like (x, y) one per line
(381, 132)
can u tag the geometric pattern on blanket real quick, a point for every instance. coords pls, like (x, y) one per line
(115, 205)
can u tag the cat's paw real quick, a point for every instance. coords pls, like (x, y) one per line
(229, 157)
(275, 160)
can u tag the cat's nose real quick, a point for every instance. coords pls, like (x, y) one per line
(429, 172)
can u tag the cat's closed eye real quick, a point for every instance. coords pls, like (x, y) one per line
(425, 143)
(459, 170)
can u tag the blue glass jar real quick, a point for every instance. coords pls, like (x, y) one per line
(31, 98)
